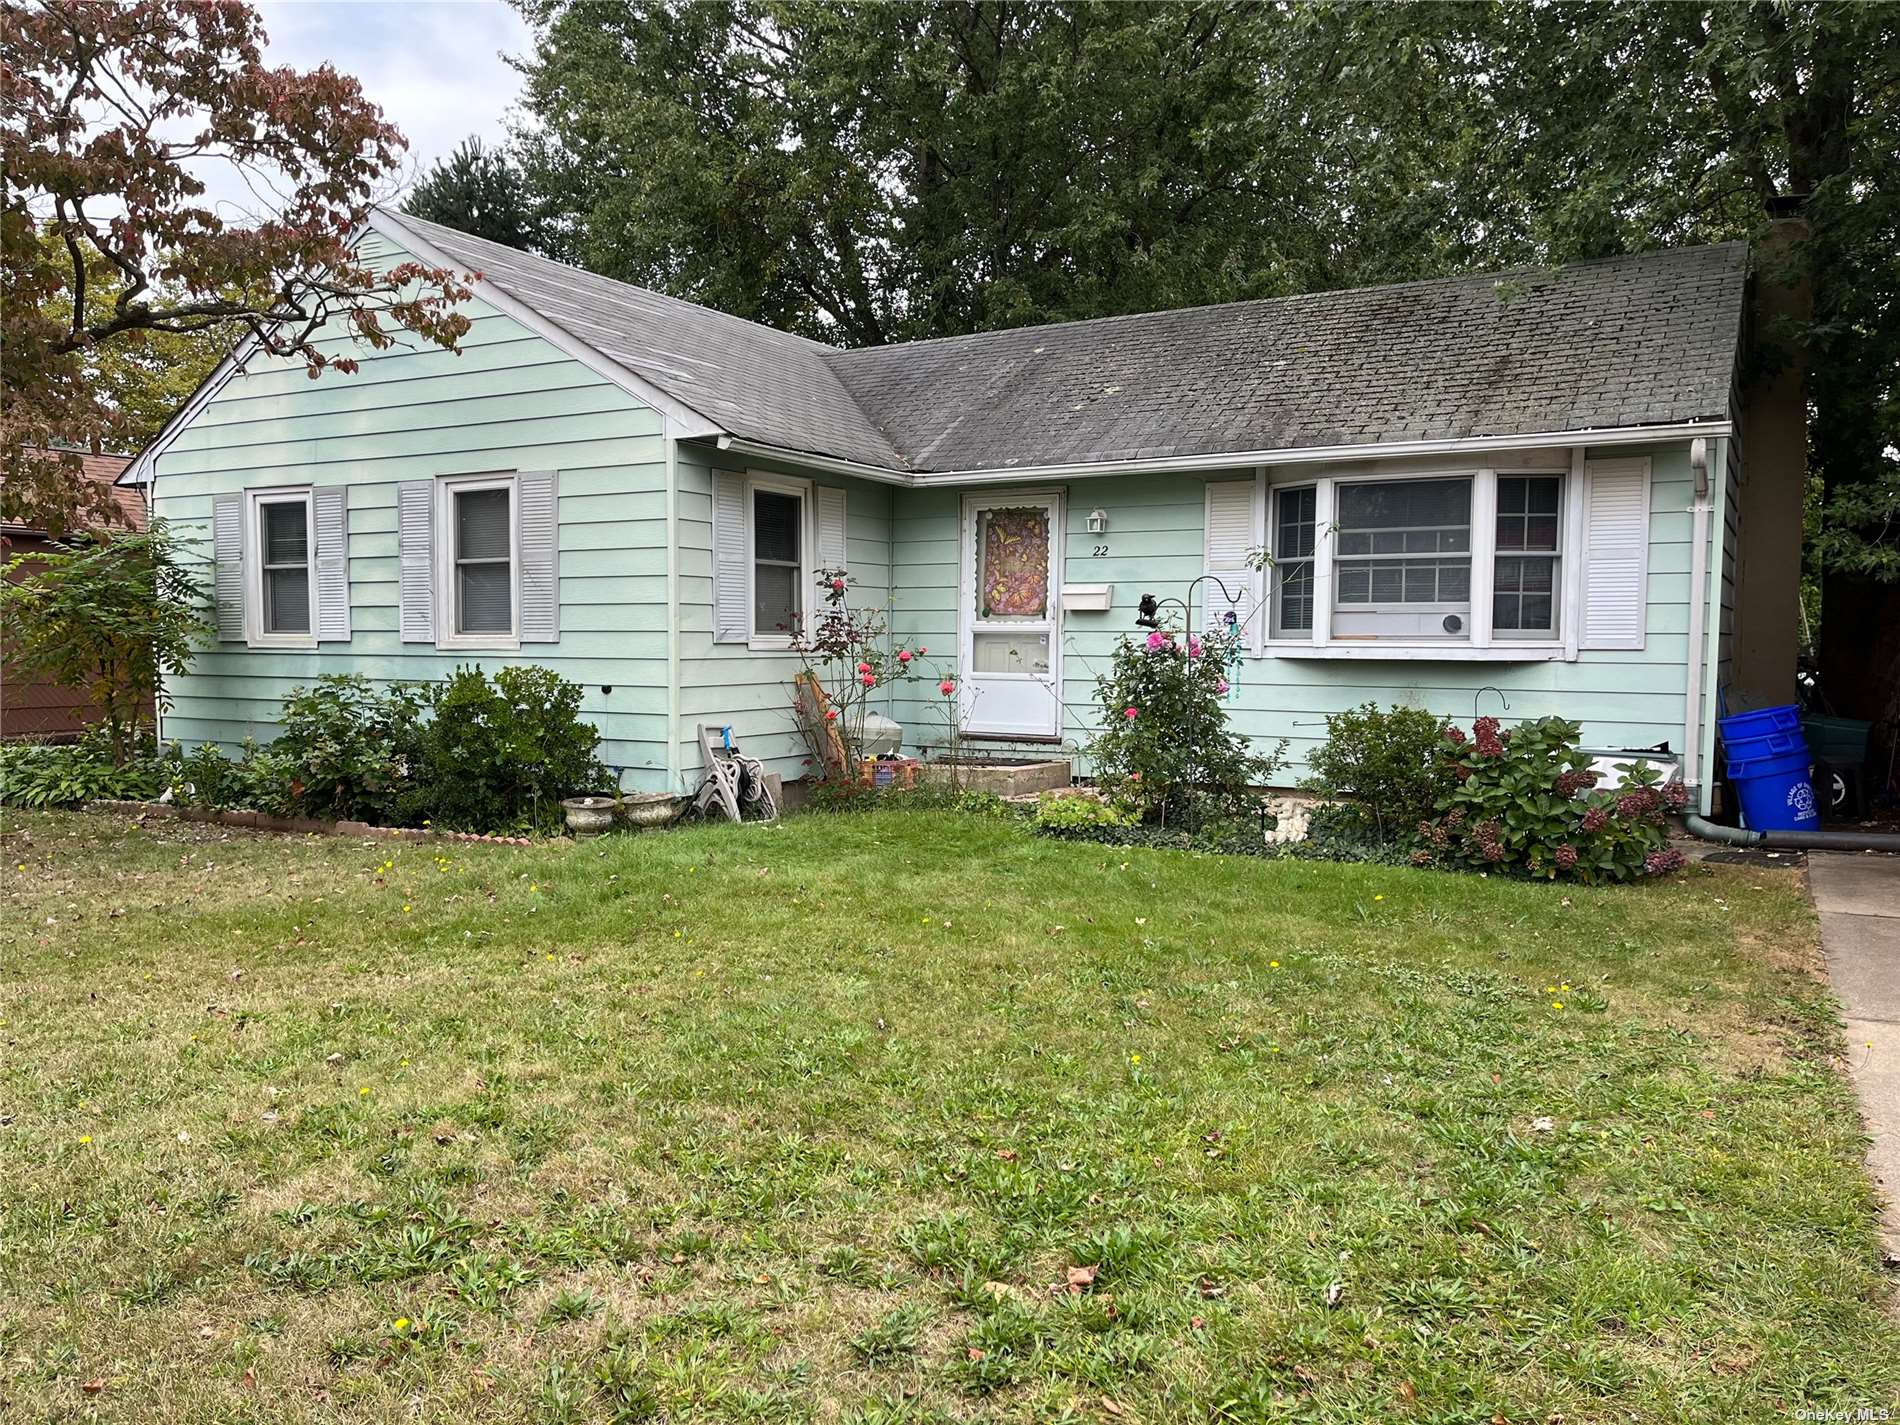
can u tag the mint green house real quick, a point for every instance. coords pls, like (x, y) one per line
(1519, 495)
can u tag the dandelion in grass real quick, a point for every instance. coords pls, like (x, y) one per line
(84, 1138)
(1134, 1058)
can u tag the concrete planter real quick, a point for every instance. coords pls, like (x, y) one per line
(646, 809)
(588, 816)
(1004, 778)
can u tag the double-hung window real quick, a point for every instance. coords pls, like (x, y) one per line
(284, 556)
(478, 562)
(776, 528)
(1295, 536)
(1525, 585)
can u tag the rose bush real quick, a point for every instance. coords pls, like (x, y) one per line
(1164, 745)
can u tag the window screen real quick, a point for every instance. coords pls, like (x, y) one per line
(1403, 543)
(1524, 582)
(1294, 534)
(777, 520)
(285, 540)
(484, 557)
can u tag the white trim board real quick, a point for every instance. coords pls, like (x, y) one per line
(1236, 459)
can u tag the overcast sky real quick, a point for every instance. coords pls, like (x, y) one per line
(434, 66)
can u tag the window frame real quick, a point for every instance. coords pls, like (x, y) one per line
(1479, 641)
(1559, 557)
(801, 490)
(443, 557)
(256, 635)
(1471, 554)
(1275, 629)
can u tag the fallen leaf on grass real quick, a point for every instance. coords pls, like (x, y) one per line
(93, 1387)
(1080, 1279)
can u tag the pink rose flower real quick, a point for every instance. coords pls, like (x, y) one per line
(868, 679)
(903, 655)
(1194, 648)
(921, 650)
(1221, 686)
(1131, 713)
(946, 687)
(864, 667)
(1157, 641)
(831, 714)
(838, 584)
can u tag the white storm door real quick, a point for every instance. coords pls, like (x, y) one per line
(1009, 621)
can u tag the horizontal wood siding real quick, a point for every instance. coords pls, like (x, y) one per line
(1624, 699)
(509, 401)
(729, 683)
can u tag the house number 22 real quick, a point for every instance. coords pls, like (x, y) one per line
(1101, 551)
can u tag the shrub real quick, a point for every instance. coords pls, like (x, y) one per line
(1165, 745)
(1387, 766)
(260, 780)
(499, 755)
(40, 774)
(1521, 802)
(345, 751)
(1065, 809)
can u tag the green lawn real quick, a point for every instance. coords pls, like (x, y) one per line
(818, 1121)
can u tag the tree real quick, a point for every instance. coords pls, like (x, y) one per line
(112, 108)
(478, 191)
(110, 616)
(146, 376)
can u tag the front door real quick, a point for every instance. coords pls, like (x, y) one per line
(1010, 622)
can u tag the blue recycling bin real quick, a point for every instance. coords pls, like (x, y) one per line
(1768, 767)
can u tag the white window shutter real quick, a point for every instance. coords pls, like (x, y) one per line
(1231, 535)
(415, 521)
(330, 513)
(227, 540)
(1615, 552)
(732, 612)
(537, 499)
(831, 527)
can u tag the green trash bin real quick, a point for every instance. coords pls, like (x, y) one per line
(1839, 748)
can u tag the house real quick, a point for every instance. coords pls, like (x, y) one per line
(1519, 494)
(30, 709)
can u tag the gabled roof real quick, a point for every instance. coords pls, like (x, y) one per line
(1617, 344)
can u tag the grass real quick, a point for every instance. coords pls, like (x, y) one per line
(909, 1117)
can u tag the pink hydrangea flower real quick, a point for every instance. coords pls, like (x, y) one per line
(1131, 713)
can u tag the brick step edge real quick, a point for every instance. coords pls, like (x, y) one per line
(301, 825)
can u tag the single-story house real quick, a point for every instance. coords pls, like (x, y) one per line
(1518, 494)
(30, 708)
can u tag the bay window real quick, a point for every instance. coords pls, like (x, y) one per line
(1402, 558)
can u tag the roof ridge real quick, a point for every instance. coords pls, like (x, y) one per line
(846, 353)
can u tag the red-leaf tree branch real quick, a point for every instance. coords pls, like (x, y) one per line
(115, 111)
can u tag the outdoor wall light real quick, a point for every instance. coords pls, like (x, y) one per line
(1098, 521)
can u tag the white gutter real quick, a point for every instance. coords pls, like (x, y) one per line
(675, 772)
(1227, 460)
(1698, 615)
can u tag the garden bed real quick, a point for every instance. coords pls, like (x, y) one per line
(303, 825)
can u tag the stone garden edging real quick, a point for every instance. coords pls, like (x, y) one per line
(303, 825)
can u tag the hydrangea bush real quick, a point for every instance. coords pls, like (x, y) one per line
(1165, 746)
(1525, 802)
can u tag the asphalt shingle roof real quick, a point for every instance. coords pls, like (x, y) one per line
(1626, 341)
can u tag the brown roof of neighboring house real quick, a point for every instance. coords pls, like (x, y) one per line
(103, 470)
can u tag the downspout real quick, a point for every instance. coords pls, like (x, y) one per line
(674, 774)
(1792, 840)
(1698, 618)
(1712, 601)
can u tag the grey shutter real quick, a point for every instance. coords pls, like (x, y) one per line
(227, 541)
(415, 519)
(1615, 552)
(330, 509)
(537, 505)
(732, 615)
(1231, 535)
(831, 528)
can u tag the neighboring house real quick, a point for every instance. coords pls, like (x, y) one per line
(30, 709)
(1478, 491)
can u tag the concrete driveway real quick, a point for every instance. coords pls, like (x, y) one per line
(1858, 897)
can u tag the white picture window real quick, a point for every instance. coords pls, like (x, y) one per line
(1402, 558)
(1526, 583)
(778, 557)
(283, 548)
(478, 563)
